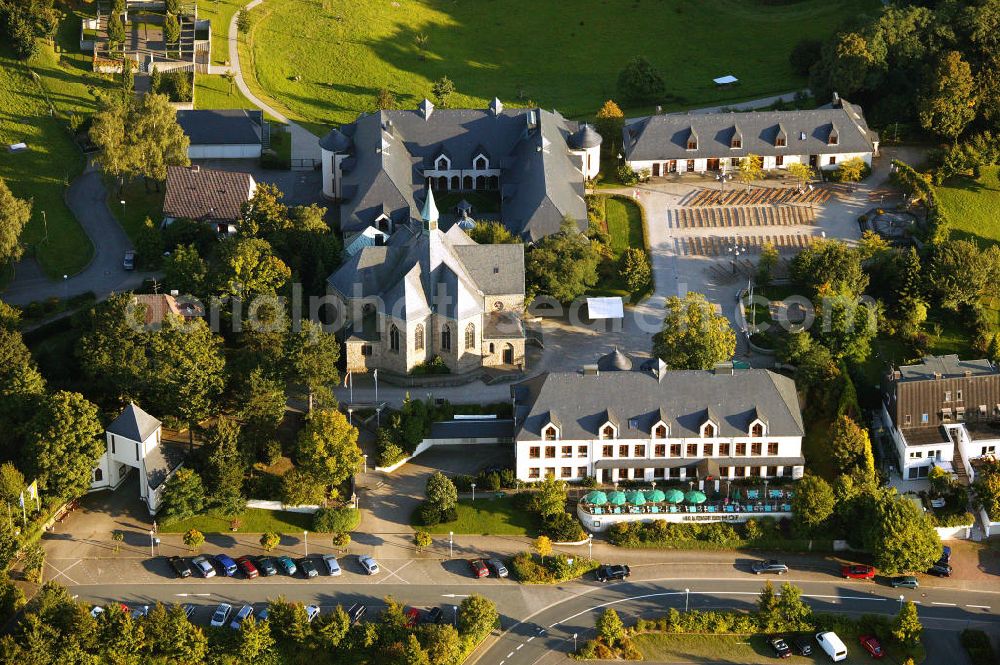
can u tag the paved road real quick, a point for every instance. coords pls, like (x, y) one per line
(304, 142)
(87, 199)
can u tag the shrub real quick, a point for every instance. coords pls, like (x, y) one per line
(428, 514)
(589, 481)
(463, 483)
(269, 159)
(563, 528)
(389, 453)
(627, 175)
(336, 520)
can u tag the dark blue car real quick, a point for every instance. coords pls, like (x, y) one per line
(227, 564)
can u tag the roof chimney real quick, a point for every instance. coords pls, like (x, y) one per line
(836, 99)
(937, 375)
(196, 167)
(591, 370)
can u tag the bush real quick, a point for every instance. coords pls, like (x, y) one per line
(977, 644)
(529, 568)
(563, 528)
(176, 86)
(627, 176)
(463, 483)
(336, 520)
(433, 366)
(428, 514)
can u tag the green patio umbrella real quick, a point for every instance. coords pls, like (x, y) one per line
(616, 498)
(694, 496)
(673, 496)
(654, 496)
(596, 498)
(635, 497)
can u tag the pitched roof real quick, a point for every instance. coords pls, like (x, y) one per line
(222, 127)
(134, 424)
(949, 366)
(206, 194)
(681, 398)
(807, 132)
(540, 180)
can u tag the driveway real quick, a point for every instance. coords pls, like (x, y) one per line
(87, 199)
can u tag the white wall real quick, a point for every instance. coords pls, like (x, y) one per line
(224, 151)
(600, 523)
(701, 165)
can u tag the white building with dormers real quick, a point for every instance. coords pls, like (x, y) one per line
(617, 422)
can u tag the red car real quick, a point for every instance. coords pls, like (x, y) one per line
(871, 644)
(246, 565)
(412, 617)
(479, 568)
(857, 572)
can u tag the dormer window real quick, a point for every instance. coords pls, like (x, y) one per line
(780, 142)
(834, 137)
(480, 163)
(660, 431)
(736, 143)
(550, 433)
(757, 429)
(442, 163)
(608, 431)
(708, 430)
(693, 143)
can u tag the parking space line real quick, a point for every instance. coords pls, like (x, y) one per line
(943, 604)
(393, 573)
(979, 607)
(62, 573)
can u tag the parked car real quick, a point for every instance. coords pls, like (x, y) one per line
(264, 613)
(412, 617)
(606, 573)
(312, 611)
(871, 644)
(802, 645)
(369, 564)
(940, 569)
(857, 572)
(769, 566)
(832, 645)
(904, 581)
(245, 612)
(128, 263)
(356, 611)
(247, 567)
(227, 564)
(434, 615)
(287, 565)
(203, 566)
(332, 567)
(781, 649)
(265, 565)
(221, 615)
(97, 609)
(180, 566)
(189, 610)
(478, 568)
(946, 554)
(140, 612)
(497, 567)
(307, 567)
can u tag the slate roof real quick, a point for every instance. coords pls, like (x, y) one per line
(420, 271)
(540, 182)
(161, 460)
(949, 366)
(639, 399)
(206, 194)
(134, 424)
(666, 136)
(222, 127)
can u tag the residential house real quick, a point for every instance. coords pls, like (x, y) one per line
(158, 306)
(715, 142)
(224, 133)
(425, 294)
(530, 163)
(207, 195)
(942, 412)
(618, 421)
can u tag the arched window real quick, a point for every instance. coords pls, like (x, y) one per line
(98, 475)
(757, 430)
(607, 432)
(493, 348)
(470, 336)
(493, 182)
(446, 338)
(394, 338)
(467, 182)
(480, 163)
(454, 182)
(660, 432)
(443, 183)
(709, 430)
(480, 182)
(418, 337)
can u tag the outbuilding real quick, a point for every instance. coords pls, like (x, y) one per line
(224, 133)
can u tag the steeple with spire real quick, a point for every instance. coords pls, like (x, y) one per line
(429, 213)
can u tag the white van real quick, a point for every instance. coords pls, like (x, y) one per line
(832, 645)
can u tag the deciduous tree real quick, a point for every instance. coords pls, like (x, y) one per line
(693, 336)
(264, 214)
(550, 500)
(183, 496)
(114, 350)
(492, 233)
(902, 538)
(224, 467)
(948, 101)
(562, 265)
(906, 627)
(802, 173)
(248, 267)
(327, 447)
(852, 170)
(641, 83)
(269, 540)
(193, 538)
(422, 540)
(610, 627)
(830, 266)
(312, 360)
(441, 492)
(609, 123)
(186, 271)
(635, 270)
(751, 170)
(62, 445)
(187, 369)
(14, 216)
(477, 616)
(543, 546)
(812, 503)
(442, 643)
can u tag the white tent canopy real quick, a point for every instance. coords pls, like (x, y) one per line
(725, 80)
(605, 308)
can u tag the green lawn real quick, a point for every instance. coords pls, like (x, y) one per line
(253, 520)
(624, 220)
(971, 205)
(489, 517)
(139, 204)
(211, 91)
(281, 142)
(556, 54)
(219, 12)
(670, 648)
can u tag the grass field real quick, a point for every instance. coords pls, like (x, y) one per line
(556, 54)
(219, 12)
(253, 520)
(669, 648)
(489, 517)
(971, 206)
(623, 224)
(211, 91)
(139, 204)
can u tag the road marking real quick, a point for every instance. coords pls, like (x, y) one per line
(810, 595)
(519, 647)
(979, 607)
(62, 573)
(531, 638)
(943, 604)
(393, 573)
(454, 595)
(510, 654)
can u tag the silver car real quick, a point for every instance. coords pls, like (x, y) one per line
(203, 566)
(769, 566)
(369, 564)
(222, 613)
(332, 566)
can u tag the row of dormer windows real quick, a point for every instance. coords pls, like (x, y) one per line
(724, 449)
(660, 431)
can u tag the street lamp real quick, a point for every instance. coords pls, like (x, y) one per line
(123, 208)
(151, 555)
(451, 544)
(765, 489)
(574, 642)
(305, 540)
(473, 491)
(687, 594)
(736, 250)
(722, 178)
(901, 599)
(590, 546)
(366, 462)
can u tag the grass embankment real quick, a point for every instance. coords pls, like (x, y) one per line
(971, 205)
(253, 520)
(744, 649)
(405, 46)
(489, 517)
